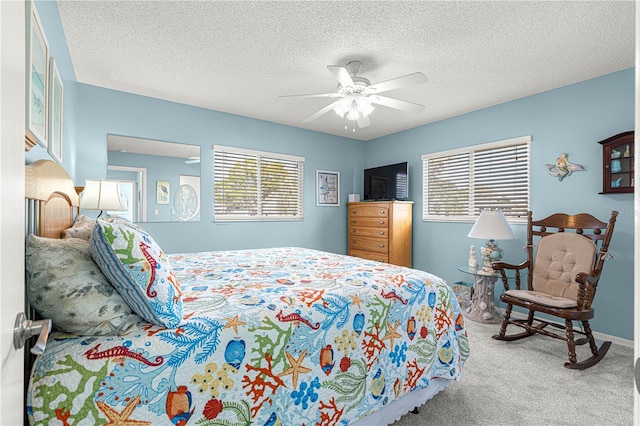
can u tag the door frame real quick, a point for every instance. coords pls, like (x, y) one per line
(142, 187)
(636, 241)
(12, 210)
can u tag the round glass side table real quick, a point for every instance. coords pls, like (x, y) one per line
(482, 308)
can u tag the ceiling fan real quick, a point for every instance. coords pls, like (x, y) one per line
(357, 95)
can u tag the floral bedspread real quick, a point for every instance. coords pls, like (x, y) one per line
(285, 336)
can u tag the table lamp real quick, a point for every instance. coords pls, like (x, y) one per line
(491, 225)
(101, 195)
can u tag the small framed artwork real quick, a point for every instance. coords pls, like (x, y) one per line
(163, 191)
(38, 79)
(55, 113)
(327, 188)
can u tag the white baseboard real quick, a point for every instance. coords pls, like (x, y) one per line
(599, 336)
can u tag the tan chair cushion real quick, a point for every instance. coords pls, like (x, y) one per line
(543, 298)
(559, 258)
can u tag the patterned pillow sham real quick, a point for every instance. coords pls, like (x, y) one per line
(138, 268)
(82, 228)
(66, 285)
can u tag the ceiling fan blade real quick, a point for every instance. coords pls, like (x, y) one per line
(396, 103)
(316, 95)
(321, 112)
(342, 75)
(364, 122)
(399, 82)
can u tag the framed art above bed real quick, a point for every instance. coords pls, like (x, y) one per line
(37, 78)
(286, 335)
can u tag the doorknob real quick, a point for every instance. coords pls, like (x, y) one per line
(25, 328)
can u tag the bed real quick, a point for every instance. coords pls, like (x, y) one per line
(282, 336)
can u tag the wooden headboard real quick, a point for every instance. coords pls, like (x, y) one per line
(51, 205)
(51, 199)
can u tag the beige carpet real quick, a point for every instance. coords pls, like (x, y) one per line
(525, 383)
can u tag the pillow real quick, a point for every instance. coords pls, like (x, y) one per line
(82, 228)
(137, 267)
(66, 285)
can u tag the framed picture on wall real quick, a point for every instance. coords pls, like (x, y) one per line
(55, 113)
(163, 192)
(327, 188)
(38, 78)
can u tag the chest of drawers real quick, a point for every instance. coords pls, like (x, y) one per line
(382, 231)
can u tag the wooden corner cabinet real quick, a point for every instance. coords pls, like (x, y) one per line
(382, 231)
(617, 164)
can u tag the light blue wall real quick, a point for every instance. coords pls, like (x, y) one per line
(102, 111)
(571, 119)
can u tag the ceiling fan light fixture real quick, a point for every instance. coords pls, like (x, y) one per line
(342, 107)
(355, 106)
(357, 96)
(354, 112)
(364, 106)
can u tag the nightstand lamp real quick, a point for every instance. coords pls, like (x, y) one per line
(491, 225)
(101, 195)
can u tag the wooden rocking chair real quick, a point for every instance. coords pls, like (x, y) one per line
(561, 282)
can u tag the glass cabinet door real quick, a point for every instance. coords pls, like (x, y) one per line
(617, 164)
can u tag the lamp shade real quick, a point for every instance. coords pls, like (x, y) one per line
(101, 195)
(491, 224)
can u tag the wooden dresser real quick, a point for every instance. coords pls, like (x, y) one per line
(382, 231)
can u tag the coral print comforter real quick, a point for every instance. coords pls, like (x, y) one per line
(284, 336)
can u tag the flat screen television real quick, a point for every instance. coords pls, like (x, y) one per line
(389, 182)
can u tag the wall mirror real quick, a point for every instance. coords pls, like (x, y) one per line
(159, 180)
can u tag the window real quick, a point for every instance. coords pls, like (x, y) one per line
(458, 184)
(254, 185)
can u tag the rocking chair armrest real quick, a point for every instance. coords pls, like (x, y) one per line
(587, 284)
(590, 278)
(497, 266)
(501, 267)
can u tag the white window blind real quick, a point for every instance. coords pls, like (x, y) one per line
(458, 184)
(255, 185)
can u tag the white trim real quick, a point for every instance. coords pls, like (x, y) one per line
(481, 147)
(462, 160)
(260, 157)
(636, 238)
(267, 154)
(142, 189)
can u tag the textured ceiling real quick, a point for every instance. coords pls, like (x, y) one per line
(240, 56)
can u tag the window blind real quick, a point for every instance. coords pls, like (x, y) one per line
(256, 185)
(459, 184)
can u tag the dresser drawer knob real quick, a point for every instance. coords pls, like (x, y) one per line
(381, 212)
(381, 232)
(381, 245)
(382, 222)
